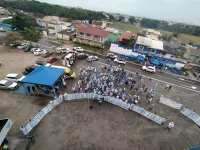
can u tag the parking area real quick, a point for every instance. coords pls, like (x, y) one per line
(72, 125)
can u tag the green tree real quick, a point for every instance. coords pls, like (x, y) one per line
(121, 18)
(175, 35)
(20, 21)
(111, 17)
(32, 34)
(190, 43)
(11, 37)
(132, 20)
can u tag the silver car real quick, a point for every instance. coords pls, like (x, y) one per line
(4, 84)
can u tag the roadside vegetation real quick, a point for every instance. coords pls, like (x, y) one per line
(125, 27)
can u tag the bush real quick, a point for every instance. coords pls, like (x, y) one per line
(88, 44)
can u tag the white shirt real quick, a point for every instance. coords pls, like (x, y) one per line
(171, 125)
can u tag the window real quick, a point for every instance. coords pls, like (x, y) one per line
(88, 34)
(52, 28)
(81, 33)
(153, 50)
(96, 36)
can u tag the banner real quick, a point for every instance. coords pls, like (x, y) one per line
(34, 121)
(69, 97)
(192, 115)
(147, 114)
(170, 103)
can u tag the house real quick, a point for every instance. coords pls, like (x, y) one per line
(63, 19)
(79, 26)
(127, 38)
(151, 33)
(126, 18)
(68, 35)
(4, 11)
(147, 45)
(112, 30)
(192, 55)
(53, 24)
(91, 35)
(171, 47)
(99, 24)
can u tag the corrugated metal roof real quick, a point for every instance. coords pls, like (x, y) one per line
(94, 31)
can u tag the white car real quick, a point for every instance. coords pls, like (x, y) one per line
(92, 58)
(22, 46)
(39, 52)
(34, 49)
(4, 84)
(119, 61)
(66, 50)
(14, 77)
(62, 48)
(78, 49)
(111, 55)
(149, 69)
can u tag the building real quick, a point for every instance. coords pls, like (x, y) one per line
(68, 35)
(126, 18)
(99, 24)
(4, 11)
(192, 55)
(79, 26)
(151, 33)
(147, 45)
(171, 47)
(53, 24)
(127, 38)
(93, 36)
(112, 30)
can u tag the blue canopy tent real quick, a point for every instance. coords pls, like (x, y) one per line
(141, 58)
(162, 62)
(155, 62)
(46, 76)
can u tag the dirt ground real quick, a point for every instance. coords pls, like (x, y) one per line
(72, 125)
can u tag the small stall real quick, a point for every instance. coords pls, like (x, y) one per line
(42, 78)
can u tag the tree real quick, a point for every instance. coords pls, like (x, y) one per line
(111, 17)
(121, 18)
(32, 34)
(11, 37)
(132, 20)
(20, 21)
(175, 35)
(190, 43)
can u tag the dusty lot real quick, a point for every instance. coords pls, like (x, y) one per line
(72, 125)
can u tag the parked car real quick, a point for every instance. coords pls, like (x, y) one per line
(47, 54)
(62, 48)
(120, 61)
(92, 58)
(2, 30)
(149, 69)
(22, 46)
(34, 49)
(39, 52)
(81, 55)
(41, 63)
(52, 59)
(4, 84)
(78, 49)
(14, 77)
(29, 69)
(28, 48)
(15, 44)
(111, 55)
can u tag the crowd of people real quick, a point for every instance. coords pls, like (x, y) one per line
(112, 81)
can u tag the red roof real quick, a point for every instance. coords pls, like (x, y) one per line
(79, 26)
(94, 31)
(127, 35)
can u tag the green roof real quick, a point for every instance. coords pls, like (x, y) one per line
(113, 37)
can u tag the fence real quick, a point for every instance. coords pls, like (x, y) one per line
(170, 103)
(69, 97)
(191, 115)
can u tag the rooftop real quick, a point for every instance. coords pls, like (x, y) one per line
(194, 52)
(127, 35)
(94, 31)
(79, 26)
(51, 19)
(67, 32)
(154, 31)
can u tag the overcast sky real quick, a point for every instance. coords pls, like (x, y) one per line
(187, 11)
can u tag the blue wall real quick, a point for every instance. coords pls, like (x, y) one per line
(147, 49)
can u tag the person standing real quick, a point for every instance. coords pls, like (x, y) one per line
(167, 86)
(30, 137)
(28, 89)
(145, 90)
(170, 86)
(151, 107)
(33, 89)
(170, 125)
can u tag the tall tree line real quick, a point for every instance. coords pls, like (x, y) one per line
(49, 9)
(177, 27)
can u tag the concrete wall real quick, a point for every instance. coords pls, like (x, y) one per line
(65, 37)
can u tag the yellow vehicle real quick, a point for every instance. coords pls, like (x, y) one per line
(70, 73)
